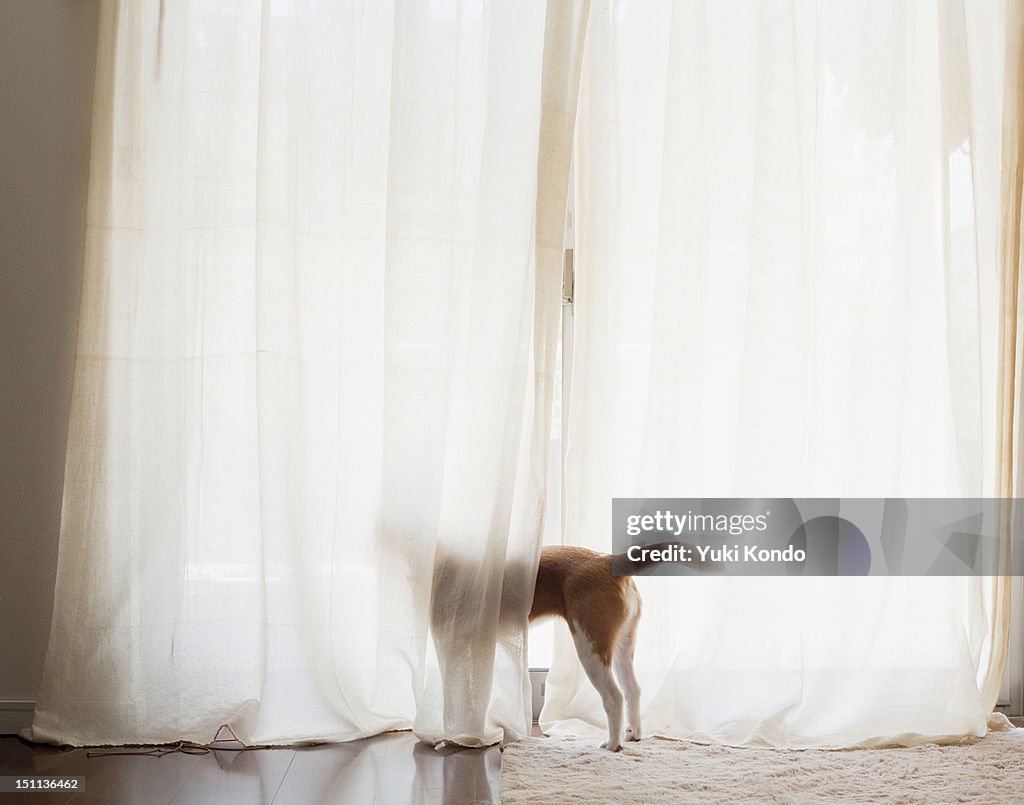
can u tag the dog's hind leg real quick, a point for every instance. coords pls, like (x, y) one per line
(626, 674)
(600, 675)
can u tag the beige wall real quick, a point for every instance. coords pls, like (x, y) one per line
(47, 53)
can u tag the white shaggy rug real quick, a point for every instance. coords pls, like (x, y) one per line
(658, 770)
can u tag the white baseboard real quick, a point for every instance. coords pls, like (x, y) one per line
(15, 715)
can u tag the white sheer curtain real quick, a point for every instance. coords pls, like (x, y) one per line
(315, 348)
(788, 220)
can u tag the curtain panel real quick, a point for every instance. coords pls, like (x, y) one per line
(314, 355)
(791, 283)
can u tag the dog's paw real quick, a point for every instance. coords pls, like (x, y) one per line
(611, 746)
(632, 735)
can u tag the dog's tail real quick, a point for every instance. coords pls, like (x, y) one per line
(660, 553)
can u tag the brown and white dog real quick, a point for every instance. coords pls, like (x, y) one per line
(601, 609)
(602, 612)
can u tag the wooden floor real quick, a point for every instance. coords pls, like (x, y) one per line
(392, 769)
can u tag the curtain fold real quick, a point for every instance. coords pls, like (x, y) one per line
(313, 362)
(789, 285)
(1009, 481)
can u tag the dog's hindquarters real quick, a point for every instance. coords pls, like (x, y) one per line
(602, 612)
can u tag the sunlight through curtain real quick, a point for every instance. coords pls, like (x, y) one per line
(788, 284)
(315, 351)
(306, 467)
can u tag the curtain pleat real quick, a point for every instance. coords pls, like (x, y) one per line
(1008, 477)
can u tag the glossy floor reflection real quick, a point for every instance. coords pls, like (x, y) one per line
(393, 768)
